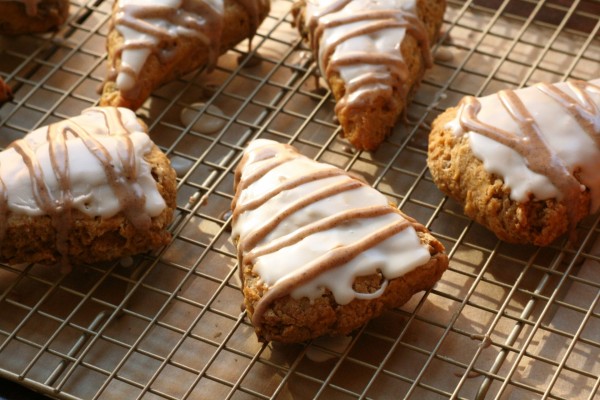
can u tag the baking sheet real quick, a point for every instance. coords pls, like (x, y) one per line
(505, 321)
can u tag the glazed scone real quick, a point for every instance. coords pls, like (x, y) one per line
(525, 162)
(5, 92)
(87, 189)
(152, 42)
(320, 251)
(373, 54)
(32, 16)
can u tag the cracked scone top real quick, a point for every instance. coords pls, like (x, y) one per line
(153, 27)
(90, 167)
(303, 227)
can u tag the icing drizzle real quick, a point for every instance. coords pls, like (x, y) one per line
(92, 163)
(360, 40)
(554, 131)
(152, 27)
(305, 226)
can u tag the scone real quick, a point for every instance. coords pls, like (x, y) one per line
(373, 54)
(152, 42)
(32, 16)
(523, 162)
(320, 251)
(87, 189)
(5, 92)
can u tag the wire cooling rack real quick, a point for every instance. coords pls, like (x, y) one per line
(505, 321)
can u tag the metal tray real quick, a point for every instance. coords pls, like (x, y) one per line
(505, 322)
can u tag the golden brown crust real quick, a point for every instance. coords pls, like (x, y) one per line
(91, 240)
(191, 54)
(291, 320)
(15, 21)
(366, 127)
(485, 198)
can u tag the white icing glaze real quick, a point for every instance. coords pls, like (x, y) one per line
(369, 49)
(141, 38)
(88, 183)
(395, 256)
(561, 133)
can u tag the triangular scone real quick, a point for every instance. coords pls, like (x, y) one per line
(152, 42)
(18, 17)
(373, 54)
(321, 252)
(86, 189)
(523, 162)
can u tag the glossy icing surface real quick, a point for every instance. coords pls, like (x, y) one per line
(360, 40)
(93, 163)
(306, 226)
(544, 140)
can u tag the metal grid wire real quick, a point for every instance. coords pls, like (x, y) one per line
(505, 321)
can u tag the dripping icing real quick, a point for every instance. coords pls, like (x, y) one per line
(93, 164)
(537, 138)
(360, 40)
(319, 228)
(152, 27)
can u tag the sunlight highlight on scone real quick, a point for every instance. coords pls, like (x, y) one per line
(321, 252)
(523, 162)
(373, 54)
(87, 189)
(152, 42)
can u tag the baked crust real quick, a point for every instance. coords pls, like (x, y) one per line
(91, 240)
(50, 14)
(290, 320)
(460, 174)
(368, 123)
(190, 55)
(34, 239)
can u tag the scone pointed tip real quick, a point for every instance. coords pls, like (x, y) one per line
(191, 35)
(373, 55)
